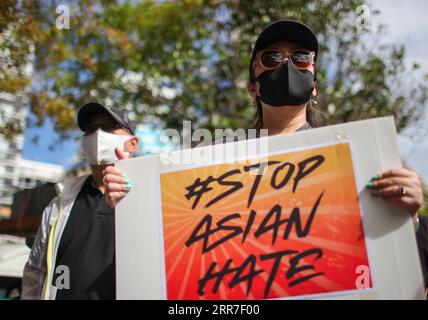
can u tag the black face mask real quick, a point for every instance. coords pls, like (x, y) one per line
(286, 85)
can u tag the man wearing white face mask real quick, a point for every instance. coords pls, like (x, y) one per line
(73, 254)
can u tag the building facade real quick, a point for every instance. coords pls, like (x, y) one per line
(11, 109)
(17, 173)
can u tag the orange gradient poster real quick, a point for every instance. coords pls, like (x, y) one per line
(287, 225)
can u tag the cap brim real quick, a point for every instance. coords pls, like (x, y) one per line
(89, 110)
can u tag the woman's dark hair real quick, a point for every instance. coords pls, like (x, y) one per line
(311, 116)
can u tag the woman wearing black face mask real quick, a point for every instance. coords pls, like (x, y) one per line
(282, 83)
(282, 77)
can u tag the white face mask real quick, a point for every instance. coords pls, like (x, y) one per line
(99, 147)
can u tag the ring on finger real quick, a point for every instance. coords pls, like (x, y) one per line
(401, 191)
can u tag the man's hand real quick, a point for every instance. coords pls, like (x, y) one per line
(117, 186)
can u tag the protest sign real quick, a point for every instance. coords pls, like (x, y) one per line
(293, 223)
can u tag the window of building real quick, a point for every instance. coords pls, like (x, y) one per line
(13, 145)
(9, 169)
(39, 183)
(4, 194)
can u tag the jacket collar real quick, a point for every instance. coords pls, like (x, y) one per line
(70, 187)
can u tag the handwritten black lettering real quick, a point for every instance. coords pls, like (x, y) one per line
(275, 222)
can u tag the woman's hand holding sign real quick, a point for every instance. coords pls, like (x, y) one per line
(117, 186)
(399, 186)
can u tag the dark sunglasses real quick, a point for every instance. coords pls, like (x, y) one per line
(272, 58)
(106, 126)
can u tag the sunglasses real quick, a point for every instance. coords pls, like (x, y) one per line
(272, 58)
(106, 126)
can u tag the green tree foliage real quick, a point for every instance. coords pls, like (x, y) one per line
(187, 60)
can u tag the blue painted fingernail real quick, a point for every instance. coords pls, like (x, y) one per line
(375, 177)
(128, 184)
(369, 185)
(374, 192)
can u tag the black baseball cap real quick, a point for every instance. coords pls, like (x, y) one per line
(89, 110)
(284, 30)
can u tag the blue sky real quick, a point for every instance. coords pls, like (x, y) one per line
(407, 24)
(404, 25)
(63, 154)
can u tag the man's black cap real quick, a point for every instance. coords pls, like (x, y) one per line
(284, 30)
(89, 110)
